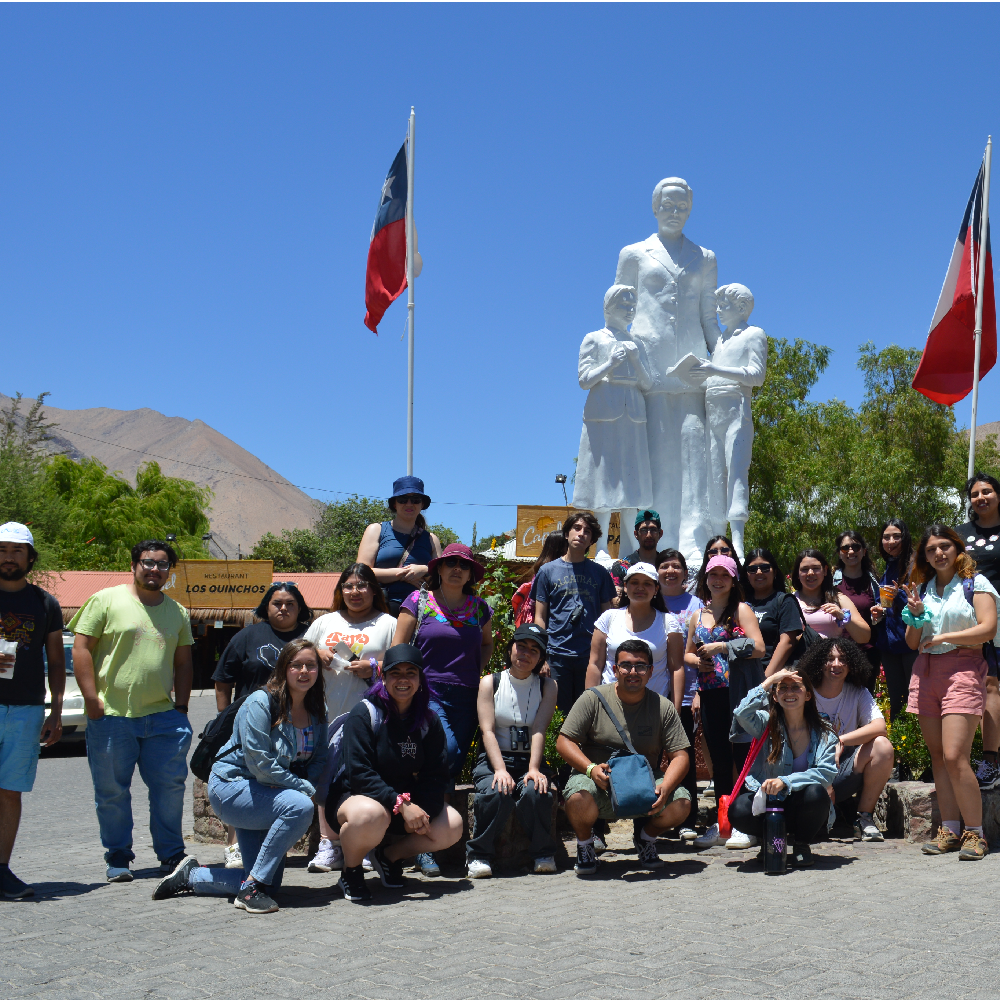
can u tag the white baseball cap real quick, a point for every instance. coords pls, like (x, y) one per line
(14, 531)
(643, 568)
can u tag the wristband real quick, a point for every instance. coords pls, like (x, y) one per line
(400, 800)
(374, 663)
(846, 620)
(590, 767)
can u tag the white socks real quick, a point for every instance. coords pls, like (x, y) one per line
(584, 843)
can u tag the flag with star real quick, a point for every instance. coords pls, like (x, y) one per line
(386, 276)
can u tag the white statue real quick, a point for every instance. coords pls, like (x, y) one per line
(739, 362)
(675, 316)
(612, 470)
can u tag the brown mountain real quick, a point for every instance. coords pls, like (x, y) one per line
(250, 497)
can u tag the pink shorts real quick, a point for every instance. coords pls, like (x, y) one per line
(948, 684)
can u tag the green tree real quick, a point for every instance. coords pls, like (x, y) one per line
(340, 526)
(445, 535)
(296, 551)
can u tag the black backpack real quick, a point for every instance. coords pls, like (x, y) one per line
(218, 733)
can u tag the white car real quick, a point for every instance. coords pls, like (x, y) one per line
(74, 716)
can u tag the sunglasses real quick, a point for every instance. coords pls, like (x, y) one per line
(720, 551)
(452, 561)
(410, 498)
(852, 547)
(760, 568)
(283, 584)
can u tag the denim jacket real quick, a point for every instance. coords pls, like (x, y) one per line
(752, 714)
(256, 750)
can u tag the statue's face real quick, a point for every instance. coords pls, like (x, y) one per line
(730, 314)
(675, 207)
(623, 308)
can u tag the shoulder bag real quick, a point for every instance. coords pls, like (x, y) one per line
(633, 790)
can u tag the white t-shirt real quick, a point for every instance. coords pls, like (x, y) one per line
(853, 708)
(372, 637)
(516, 703)
(613, 623)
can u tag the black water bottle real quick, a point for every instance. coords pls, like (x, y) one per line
(775, 857)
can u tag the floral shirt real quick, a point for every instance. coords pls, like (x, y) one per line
(719, 676)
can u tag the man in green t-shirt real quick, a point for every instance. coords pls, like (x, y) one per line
(588, 739)
(133, 645)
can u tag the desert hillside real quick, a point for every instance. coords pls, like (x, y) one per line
(250, 497)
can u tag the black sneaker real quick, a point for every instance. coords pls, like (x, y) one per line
(390, 872)
(14, 888)
(987, 775)
(352, 884)
(646, 850)
(586, 859)
(170, 865)
(801, 856)
(177, 881)
(252, 899)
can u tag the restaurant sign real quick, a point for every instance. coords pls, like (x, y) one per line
(219, 583)
(534, 523)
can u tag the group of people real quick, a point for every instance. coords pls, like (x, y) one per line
(365, 715)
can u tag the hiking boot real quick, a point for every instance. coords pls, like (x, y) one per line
(14, 888)
(390, 872)
(988, 775)
(974, 847)
(253, 899)
(177, 881)
(232, 856)
(166, 867)
(478, 868)
(646, 850)
(865, 828)
(352, 885)
(586, 859)
(545, 866)
(329, 857)
(425, 862)
(944, 843)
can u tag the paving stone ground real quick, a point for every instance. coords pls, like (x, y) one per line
(869, 921)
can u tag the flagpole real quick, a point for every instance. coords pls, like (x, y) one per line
(409, 294)
(984, 222)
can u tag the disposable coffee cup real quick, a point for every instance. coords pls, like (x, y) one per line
(887, 594)
(7, 666)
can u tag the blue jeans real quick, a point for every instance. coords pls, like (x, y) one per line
(268, 820)
(455, 705)
(158, 743)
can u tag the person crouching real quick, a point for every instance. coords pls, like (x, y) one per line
(394, 778)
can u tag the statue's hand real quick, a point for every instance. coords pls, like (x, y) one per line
(619, 353)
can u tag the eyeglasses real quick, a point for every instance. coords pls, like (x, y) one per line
(411, 498)
(154, 564)
(452, 561)
(349, 588)
(720, 550)
(760, 568)
(628, 668)
(851, 547)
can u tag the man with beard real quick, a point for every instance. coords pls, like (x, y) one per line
(133, 644)
(31, 619)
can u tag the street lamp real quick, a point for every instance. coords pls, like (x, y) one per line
(561, 480)
(171, 538)
(207, 538)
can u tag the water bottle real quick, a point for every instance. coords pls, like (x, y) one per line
(775, 857)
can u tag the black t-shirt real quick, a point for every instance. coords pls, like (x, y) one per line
(983, 544)
(775, 614)
(27, 617)
(251, 655)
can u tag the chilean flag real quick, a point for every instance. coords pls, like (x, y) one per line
(386, 276)
(946, 368)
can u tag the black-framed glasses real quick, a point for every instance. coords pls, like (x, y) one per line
(851, 547)
(452, 561)
(639, 668)
(163, 564)
(760, 568)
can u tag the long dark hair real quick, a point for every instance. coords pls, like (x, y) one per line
(420, 711)
(305, 614)
(731, 613)
(554, 547)
(965, 565)
(978, 477)
(827, 588)
(277, 683)
(859, 670)
(732, 551)
(776, 720)
(866, 562)
(906, 544)
(780, 583)
(362, 572)
(657, 603)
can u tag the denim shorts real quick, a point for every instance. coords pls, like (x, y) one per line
(20, 728)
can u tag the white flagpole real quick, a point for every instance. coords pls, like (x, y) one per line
(409, 294)
(983, 228)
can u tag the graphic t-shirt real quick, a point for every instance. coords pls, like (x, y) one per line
(684, 606)
(250, 657)
(614, 624)
(653, 726)
(853, 708)
(450, 641)
(27, 617)
(983, 544)
(134, 656)
(574, 593)
(372, 637)
(776, 615)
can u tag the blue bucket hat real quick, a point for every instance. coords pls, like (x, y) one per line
(407, 485)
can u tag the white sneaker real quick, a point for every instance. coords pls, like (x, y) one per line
(687, 834)
(116, 873)
(329, 857)
(367, 864)
(545, 866)
(232, 856)
(479, 869)
(741, 841)
(710, 838)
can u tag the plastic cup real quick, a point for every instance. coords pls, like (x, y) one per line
(887, 594)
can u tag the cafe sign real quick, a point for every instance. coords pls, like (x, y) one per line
(534, 523)
(219, 583)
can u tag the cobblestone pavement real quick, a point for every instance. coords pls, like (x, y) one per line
(869, 921)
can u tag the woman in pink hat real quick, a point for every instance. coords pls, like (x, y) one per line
(450, 626)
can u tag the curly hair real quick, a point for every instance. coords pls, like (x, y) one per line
(859, 670)
(965, 565)
(277, 683)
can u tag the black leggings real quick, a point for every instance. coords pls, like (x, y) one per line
(898, 667)
(691, 778)
(716, 718)
(806, 814)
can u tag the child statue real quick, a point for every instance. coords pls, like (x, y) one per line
(612, 470)
(739, 362)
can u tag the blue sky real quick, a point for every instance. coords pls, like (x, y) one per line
(187, 193)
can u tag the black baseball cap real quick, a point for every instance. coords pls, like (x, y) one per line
(403, 653)
(533, 632)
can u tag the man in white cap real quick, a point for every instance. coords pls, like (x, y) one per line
(30, 623)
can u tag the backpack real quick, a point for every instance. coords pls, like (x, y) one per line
(217, 734)
(496, 683)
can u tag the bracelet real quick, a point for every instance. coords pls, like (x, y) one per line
(590, 767)
(400, 800)
(374, 663)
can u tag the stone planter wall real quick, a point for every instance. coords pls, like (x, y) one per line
(909, 809)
